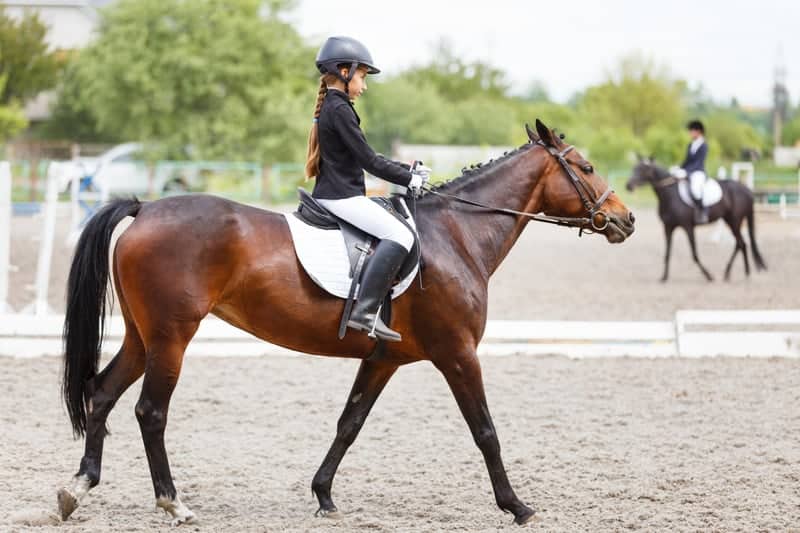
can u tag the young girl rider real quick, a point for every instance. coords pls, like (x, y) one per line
(338, 154)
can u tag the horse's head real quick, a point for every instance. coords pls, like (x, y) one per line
(570, 188)
(646, 171)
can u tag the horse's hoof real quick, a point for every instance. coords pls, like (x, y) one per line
(328, 513)
(67, 503)
(176, 509)
(526, 518)
(187, 519)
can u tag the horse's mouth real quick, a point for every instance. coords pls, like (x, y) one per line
(617, 231)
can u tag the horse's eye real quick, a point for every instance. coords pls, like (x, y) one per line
(588, 169)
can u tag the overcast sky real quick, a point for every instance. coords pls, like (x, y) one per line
(731, 46)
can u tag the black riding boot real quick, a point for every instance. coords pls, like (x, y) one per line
(375, 283)
(700, 212)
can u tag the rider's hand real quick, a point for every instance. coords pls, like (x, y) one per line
(420, 174)
(677, 172)
(417, 181)
(423, 171)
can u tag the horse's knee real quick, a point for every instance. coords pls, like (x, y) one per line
(486, 439)
(152, 419)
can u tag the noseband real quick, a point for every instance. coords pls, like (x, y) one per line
(593, 207)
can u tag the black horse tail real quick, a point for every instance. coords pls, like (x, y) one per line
(86, 306)
(751, 228)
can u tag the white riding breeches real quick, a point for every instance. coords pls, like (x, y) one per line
(368, 216)
(697, 180)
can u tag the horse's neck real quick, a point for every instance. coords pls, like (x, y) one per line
(665, 192)
(484, 236)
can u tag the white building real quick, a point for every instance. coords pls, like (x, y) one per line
(70, 23)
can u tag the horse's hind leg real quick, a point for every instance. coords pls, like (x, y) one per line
(735, 227)
(463, 374)
(164, 359)
(372, 377)
(104, 391)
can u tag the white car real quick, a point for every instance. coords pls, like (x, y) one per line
(123, 170)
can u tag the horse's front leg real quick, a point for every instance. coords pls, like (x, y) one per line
(693, 245)
(668, 236)
(463, 374)
(371, 378)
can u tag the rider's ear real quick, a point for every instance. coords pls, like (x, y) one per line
(545, 133)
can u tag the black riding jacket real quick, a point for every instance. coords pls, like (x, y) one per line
(345, 154)
(695, 161)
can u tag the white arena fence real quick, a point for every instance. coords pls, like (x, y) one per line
(36, 331)
(691, 334)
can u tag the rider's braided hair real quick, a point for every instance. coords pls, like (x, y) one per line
(312, 158)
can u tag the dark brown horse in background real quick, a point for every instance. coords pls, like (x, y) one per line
(185, 257)
(735, 206)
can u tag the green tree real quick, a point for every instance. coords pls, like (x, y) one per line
(26, 64)
(483, 121)
(791, 131)
(12, 119)
(732, 134)
(666, 143)
(456, 79)
(637, 96)
(536, 92)
(401, 110)
(229, 78)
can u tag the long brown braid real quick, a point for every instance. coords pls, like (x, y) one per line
(312, 159)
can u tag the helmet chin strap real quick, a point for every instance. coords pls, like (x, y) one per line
(350, 73)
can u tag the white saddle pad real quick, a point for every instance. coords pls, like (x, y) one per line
(323, 255)
(712, 192)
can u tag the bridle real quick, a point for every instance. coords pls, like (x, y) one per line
(593, 206)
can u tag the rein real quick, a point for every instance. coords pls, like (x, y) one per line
(665, 182)
(586, 224)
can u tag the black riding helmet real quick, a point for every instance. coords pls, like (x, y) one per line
(344, 51)
(696, 125)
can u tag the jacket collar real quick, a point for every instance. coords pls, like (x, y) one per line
(336, 93)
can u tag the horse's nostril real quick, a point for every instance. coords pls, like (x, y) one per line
(631, 218)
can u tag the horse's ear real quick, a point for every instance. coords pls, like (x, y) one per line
(531, 135)
(545, 133)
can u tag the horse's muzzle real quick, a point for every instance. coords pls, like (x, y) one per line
(619, 228)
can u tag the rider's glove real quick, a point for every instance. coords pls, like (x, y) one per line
(417, 181)
(677, 172)
(420, 174)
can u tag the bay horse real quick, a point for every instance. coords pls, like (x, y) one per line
(184, 257)
(736, 205)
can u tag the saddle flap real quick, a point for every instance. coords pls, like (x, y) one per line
(324, 257)
(712, 192)
(356, 240)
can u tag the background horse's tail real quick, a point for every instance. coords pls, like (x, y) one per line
(86, 306)
(751, 228)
